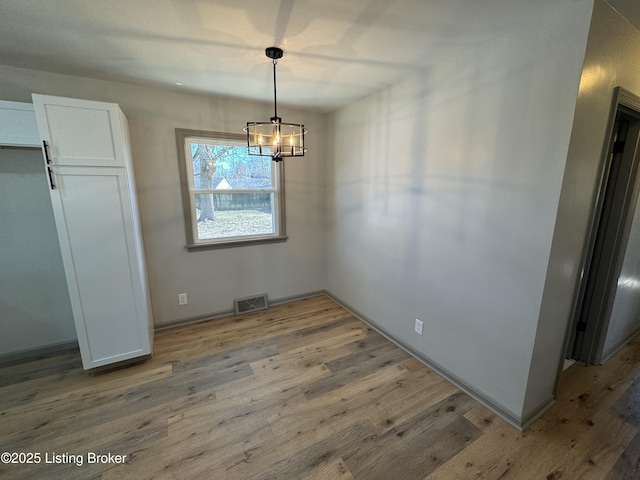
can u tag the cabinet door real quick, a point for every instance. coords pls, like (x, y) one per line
(18, 125)
(80, 132)
(95, 225)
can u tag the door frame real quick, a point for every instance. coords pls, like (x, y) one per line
(626, 102)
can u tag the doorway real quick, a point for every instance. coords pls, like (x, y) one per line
(611, 223)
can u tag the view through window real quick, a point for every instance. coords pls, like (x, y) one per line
(232, 196)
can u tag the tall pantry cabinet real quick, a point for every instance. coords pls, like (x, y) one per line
(88, 160)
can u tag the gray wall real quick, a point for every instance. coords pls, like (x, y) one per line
(612, 59)
(442, 194)
(35, 311)
(213, 278)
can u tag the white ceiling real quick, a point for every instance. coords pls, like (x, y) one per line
(335, 50)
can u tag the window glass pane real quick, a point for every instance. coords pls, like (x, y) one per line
(227, 167)
(234, 214)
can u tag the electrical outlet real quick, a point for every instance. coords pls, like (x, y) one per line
(418, 327)
(182, 299)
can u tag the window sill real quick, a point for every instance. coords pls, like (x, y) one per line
(194, 247)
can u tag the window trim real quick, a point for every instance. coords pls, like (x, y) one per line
(279, 205)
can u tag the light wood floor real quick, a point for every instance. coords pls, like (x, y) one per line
(305, 391)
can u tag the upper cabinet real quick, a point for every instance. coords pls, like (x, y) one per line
(18, 125)
(81, 132)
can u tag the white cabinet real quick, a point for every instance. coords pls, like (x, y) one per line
(18, 125)
(82, 132)
(93, 195)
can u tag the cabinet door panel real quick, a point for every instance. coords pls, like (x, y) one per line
(100, 263)
(18, 125)
(80, 132)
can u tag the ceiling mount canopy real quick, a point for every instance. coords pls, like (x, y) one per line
(274, 53)
(275, 139)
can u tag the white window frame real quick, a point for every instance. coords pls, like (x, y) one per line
(184, 138)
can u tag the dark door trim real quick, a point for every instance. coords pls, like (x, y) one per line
(594, 299)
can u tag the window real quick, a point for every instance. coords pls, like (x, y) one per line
(229, 197)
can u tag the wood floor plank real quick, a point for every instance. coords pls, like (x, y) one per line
(44, 371)
(299, 360)
(85, 382)
(372, 340)
(339, 408)
(256, 387)
(481, 417)
(233, 332)
(565, 447)
(307, 459)
(416, 447)
(317, 347)
(414, 394)
(16, 395)
(627, 407)
(335, 470)
(120, 436)
(182, 390)
(193, 449)
(36, 367)
(208, 436)
(304, 424)
(342, 323)
(48, 416)
(347, 369)
(22, 382)
(306, 391)
(627, 466)
(228, 359)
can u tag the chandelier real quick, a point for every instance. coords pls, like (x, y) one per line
(275, 139)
